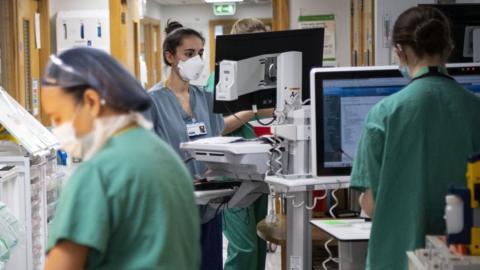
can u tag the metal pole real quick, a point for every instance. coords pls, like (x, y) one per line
(299, 239)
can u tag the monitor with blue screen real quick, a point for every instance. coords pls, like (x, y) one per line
(341, 100)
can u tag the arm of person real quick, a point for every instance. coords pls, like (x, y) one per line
(367, 203)
(236, 120)
(367, 164)
(81, 224)
(67, 255)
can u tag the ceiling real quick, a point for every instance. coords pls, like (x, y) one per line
(196, 2)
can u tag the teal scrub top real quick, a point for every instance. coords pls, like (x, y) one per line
(132, 204)
(170, 120)
(414, 145)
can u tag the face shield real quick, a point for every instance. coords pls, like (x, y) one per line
(62, 75)
(99, 71)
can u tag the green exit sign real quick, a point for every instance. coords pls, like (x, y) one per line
(224, 9)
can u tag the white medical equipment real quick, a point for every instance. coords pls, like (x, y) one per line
(248, 160)
(32, 195)
(290, 172)
(11, 230)
(436, 255)
(86, 28)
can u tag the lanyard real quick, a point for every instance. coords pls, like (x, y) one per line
(433, 72)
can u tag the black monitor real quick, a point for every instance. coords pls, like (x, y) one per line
(341, 101)
(239, 47)
(463, 19)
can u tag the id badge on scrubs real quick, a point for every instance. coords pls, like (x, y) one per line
(196, 129)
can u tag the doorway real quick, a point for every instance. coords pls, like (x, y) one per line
(224, 27)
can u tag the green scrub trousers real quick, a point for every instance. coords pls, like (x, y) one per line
(246, 251)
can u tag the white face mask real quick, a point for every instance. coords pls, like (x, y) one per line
(191, 69)
(88, 145)
(65, 134)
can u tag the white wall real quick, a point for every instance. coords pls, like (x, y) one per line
(389, 9)
(197, 17)
(64, 5)
(341, 9)
(153, 10)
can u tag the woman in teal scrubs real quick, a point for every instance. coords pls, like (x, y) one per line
(415, 143)
(130, 203)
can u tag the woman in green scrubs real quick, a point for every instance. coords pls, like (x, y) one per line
(129, 204)
(415, 143)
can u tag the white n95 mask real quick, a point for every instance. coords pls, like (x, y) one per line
(191, 69)
(65, 135)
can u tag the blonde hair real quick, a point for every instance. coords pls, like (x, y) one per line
(248, 25)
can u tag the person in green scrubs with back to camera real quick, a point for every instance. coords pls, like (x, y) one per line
(415, 143)
(129, 204)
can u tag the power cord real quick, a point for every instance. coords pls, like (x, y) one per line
(315, 201)
(277, 159)
(262, 123)
(255, 111)
(332, 214)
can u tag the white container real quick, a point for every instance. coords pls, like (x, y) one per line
(454, 214)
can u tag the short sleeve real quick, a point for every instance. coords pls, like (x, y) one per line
(152, 115)
(368, 160)
(82, 215)
(216, 119)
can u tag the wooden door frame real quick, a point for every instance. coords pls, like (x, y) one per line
(125, 29)
(211, 34)
(152, 27)
(12, 85)
(16, 49)
(45, 50)
(281, 15)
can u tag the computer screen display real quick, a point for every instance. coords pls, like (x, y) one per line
(345, 106)
(243, 46)
(343, 99)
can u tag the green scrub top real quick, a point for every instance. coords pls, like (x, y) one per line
(414, 145)
(132, 204)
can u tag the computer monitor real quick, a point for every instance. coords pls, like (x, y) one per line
(464, 18)
(239, 47)
(341, 100)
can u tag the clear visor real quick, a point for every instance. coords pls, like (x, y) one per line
(60, 74)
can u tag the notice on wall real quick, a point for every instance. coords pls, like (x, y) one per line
(328, 23)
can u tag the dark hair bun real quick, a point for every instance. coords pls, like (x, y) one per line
(425, 29)
(432, 36)
(172, 26)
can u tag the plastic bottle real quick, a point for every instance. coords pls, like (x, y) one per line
(454, 214)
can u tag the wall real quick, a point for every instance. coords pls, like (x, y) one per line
(389, 9)
(341, 9)
(153, 10)
(197, 17)
(57, 5)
